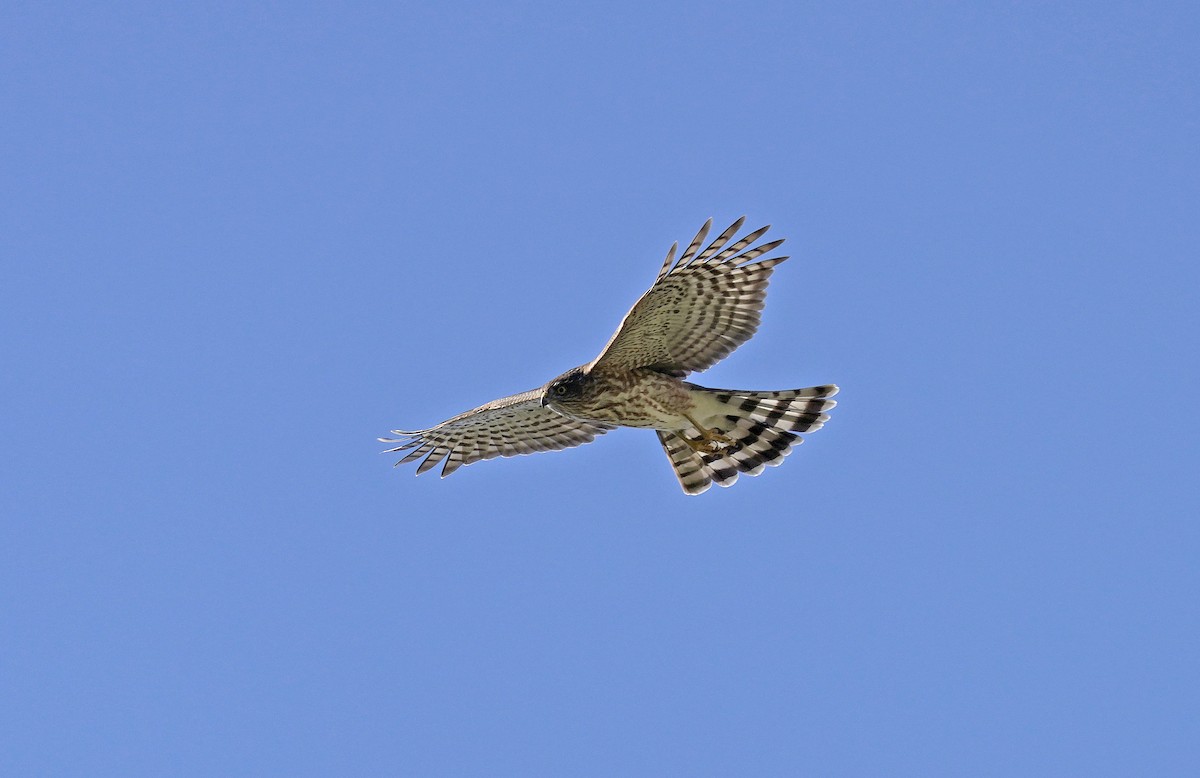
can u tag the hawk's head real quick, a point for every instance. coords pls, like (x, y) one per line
(564, 393)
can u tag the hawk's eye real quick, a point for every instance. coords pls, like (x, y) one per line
(560, 391)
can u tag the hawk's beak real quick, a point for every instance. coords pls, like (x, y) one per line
(543, 401)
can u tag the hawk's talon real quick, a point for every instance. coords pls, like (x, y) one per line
(702, 446)
(710, 441)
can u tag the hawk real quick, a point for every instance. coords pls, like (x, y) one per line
(699, 309)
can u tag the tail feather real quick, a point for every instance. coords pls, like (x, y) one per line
(693, 473)
(763, 426)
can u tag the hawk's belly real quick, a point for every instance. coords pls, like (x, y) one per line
(637, 398)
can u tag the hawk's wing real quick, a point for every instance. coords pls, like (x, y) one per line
(699, 309)
(502, 428)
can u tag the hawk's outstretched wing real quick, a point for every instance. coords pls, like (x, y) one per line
(699, 309)
(502, 428)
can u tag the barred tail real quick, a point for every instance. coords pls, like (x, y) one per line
(762, 428)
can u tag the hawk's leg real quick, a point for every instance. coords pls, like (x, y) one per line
(709, 442)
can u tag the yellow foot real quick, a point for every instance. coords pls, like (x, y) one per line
(709, 442)
(702, 446)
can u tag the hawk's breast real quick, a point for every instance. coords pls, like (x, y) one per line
(636, 398)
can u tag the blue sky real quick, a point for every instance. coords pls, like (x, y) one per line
(240, 241)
